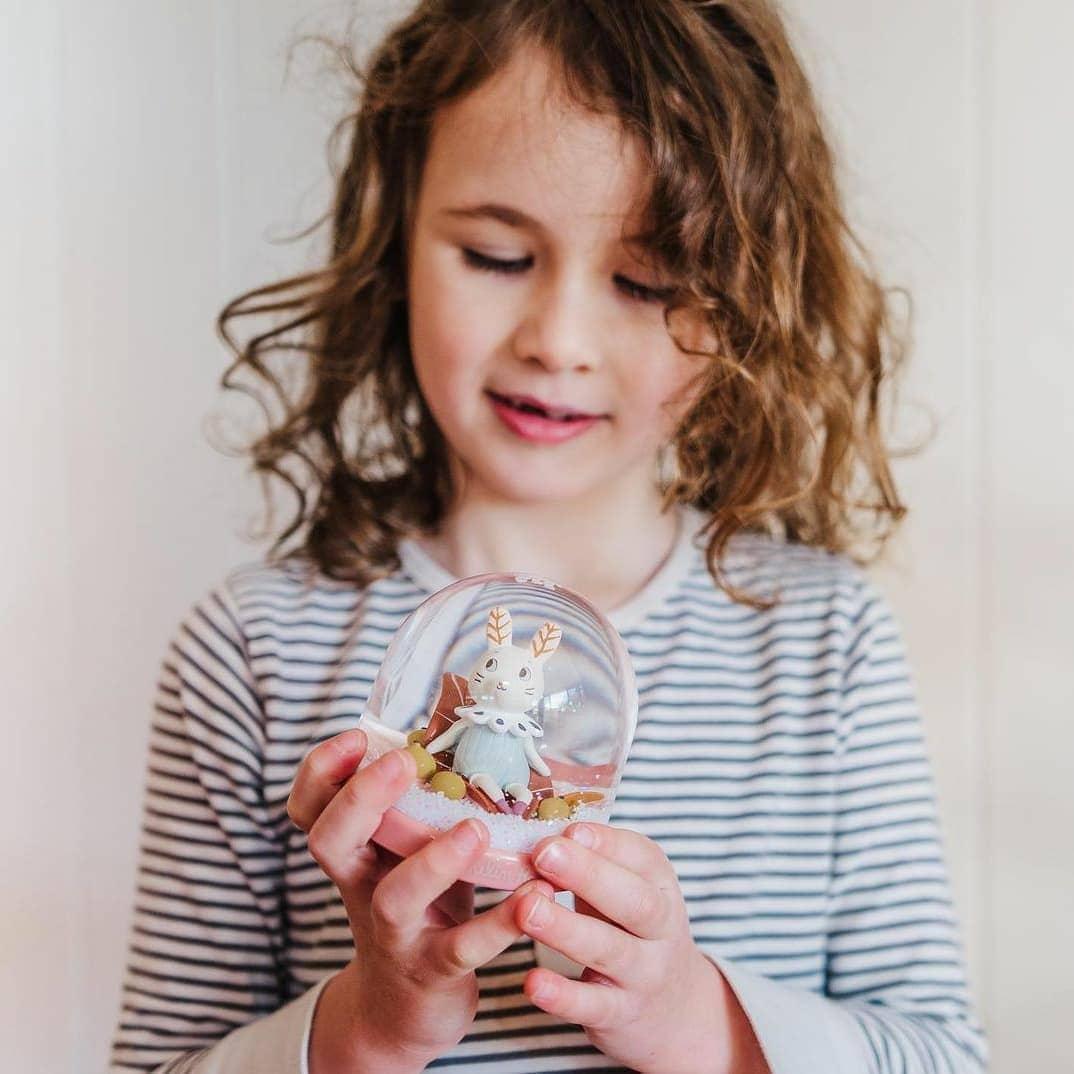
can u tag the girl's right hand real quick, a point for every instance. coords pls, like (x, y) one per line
(411, 992)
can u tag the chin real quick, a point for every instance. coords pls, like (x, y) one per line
(535, 485)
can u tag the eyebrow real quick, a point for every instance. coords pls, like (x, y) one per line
(507, 214)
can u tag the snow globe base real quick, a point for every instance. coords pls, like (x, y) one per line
(504, 869)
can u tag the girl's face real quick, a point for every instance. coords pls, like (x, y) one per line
(537, 331)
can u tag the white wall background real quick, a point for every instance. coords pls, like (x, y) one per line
(151, 151)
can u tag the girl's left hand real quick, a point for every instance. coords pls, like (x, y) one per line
(649, 998)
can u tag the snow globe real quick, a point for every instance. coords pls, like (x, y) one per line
(517, 698)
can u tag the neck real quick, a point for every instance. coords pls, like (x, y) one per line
(605, 549)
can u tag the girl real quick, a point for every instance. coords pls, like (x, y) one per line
(591, 312)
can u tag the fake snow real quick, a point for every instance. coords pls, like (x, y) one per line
(507, 831)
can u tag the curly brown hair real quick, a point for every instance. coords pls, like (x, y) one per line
(785, 434)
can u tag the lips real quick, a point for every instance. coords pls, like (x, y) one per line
(527, 404)
(538, 421)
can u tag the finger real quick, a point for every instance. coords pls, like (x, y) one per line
(596, 944)
(582, 907)
(338, 839)
(619, 894)
(454, 907)
(323, 771)
(402, 897)
(586, 1003)
(461, 950)
(628, 848)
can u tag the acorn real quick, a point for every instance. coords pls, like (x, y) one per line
(425, 760)
(553, 808)
(449, 784)
(417, 736)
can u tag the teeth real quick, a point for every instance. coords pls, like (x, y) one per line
(552, 415)
(529, 408)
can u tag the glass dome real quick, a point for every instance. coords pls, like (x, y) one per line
(517, 697)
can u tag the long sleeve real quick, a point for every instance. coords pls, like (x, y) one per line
(204, 989)
(895, 997)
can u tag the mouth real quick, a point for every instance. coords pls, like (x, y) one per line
(527, 404)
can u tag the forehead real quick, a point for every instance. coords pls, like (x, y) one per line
(518, 140)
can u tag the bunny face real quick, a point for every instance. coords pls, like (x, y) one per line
(507, 676)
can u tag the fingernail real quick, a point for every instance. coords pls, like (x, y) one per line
(551, 858)
(352, 739)
(582, 833)
(466, 836)
(398, 763)
(539, 914)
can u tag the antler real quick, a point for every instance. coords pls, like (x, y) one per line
(498, 630)
(545, 642)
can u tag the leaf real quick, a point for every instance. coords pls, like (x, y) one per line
(546, 640)
(498, 630)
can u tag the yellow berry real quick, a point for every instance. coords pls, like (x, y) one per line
(553, 809)
(425, 760)
(417, 736)
(449, 784)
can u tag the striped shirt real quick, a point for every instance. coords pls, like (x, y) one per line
(778, 761)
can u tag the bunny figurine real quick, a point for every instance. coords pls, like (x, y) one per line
(496, 739)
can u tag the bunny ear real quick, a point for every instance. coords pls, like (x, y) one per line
(545, 642)
(498, 630)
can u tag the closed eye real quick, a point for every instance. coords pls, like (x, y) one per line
(633, 290)
(492, 264)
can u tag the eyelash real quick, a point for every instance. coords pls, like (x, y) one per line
(509, 268)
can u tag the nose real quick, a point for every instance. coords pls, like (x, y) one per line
(557, 332)
(501, 685)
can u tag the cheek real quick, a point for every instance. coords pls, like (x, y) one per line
(449, 338)
(669, 380)
(661, 393)
(441, 351)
